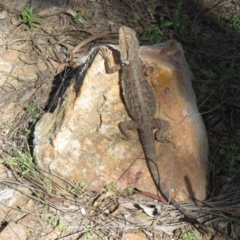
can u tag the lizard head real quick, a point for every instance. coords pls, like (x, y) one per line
(128, 43)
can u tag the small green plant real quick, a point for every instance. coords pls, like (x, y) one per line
(127, 190)
(230, 162)
(228, 74)
(48, 185)
(111, 186)
(189, 236)
(31, 108)
(225, 163)
(28, 131)
(210, 230)
(23, 161)
(38, 195)
(87, 229)
(29, 19)
(153, 4)
(228, 220)
(86, 15)
(57, 224)
(7, 128)
(43, 215)
(72, 41)
(179, 23)
(208, 74)
(199, 40)
(214, 168)
(156, 35)
(21, 208)
(134, 19)
(209, 77)
(223, 77)
(233, 22)
(76, 17)
(77, 188)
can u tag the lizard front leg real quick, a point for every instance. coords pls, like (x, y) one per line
(126, 126)
(106, 55)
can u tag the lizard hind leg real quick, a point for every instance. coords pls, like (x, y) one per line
(126, 126)
(162, 126)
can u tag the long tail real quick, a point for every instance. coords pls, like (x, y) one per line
(154, 171)
(149, 150)
(148, 145)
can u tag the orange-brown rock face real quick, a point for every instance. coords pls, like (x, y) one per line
(81, 139)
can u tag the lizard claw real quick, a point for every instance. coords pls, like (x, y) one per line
(104, 52)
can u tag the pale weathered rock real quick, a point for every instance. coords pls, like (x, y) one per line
(3, 15)
(13, 231)
(29, 220)
(11, 199)
(50, 236)
(8, 59)
(19, 197)
(81, 139)
(134, 236)
(6, 194)
(3, 172)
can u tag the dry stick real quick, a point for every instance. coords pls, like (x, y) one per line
(205, 10)
(13, 41)
(49, 13)
(219, 105)
(81, 44)
(69, 48)
(29, 62)
(90, 39)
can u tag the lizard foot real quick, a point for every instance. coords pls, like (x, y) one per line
(105, 52)
(163, 139)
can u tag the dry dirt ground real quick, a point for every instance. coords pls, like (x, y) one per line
(44, 54)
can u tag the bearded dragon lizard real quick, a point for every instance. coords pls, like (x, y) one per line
(140, 103)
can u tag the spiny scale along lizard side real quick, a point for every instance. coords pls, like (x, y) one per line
(140, 103)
